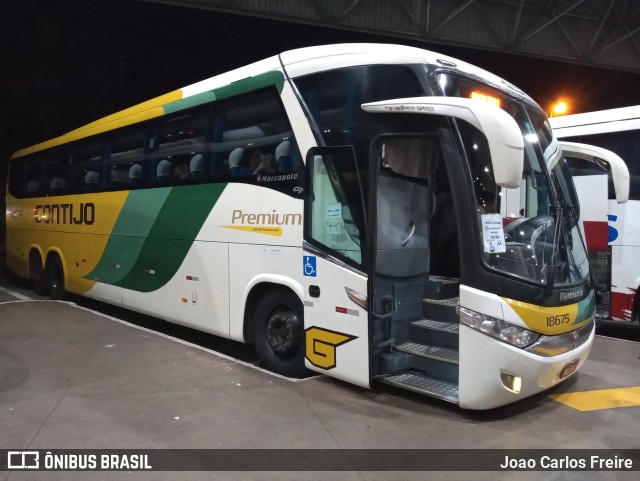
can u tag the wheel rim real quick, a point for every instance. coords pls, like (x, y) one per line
(283, 333)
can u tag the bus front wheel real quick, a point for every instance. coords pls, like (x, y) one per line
(278, 333)
(55, 279)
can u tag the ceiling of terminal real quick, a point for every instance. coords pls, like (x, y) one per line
(597, 33)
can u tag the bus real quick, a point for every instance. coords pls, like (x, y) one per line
(614, 240)
(381, 214)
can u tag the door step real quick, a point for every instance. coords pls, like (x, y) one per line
(434, 332)
(436, 325)
(443, 309)
(439, 287)
(449, 302)
(438, 353)
(417, 382)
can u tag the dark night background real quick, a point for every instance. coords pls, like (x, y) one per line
(68, 62)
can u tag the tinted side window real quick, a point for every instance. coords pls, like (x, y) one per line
(182, 147)
(17, 187)
(86, 167)
(56, 165)
(334, 97)
(128, 160)
(253, 142)
(32, 179)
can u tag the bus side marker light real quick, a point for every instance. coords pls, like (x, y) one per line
(511, 382)
(184, 299)
(344, 310)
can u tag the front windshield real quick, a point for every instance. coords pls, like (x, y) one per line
(530, 232)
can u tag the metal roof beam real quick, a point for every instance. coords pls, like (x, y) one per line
(553, 19)
(589, 32)
(453, 14)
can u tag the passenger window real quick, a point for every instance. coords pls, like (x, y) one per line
(182, 147)
(17, 177)
(253, 138)
(26, 177)
(127, 159)
(35, 180)
(86, 166)
(56, 168)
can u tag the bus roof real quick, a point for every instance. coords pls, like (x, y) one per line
(298, 62)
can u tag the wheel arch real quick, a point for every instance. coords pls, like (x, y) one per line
(54, 251)
(257, 289)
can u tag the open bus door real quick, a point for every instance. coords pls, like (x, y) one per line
(333, 266)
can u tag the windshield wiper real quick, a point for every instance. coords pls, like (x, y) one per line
(551, 273)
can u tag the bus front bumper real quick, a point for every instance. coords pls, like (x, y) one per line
(493, 373)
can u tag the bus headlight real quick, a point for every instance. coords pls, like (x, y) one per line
(509, 333)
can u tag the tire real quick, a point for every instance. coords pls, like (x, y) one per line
(55, 279)
(278, 333)
(38, 276)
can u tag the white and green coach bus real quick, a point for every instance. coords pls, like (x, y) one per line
(376, 213)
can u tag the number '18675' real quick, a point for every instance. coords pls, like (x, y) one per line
(557, 320)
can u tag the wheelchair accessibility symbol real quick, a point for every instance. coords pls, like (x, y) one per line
(309, 266)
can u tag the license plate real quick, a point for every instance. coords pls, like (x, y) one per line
(569, 368)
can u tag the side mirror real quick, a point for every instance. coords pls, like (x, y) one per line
(506, 144)
(598, 155)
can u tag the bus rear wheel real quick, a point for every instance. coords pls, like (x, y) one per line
(278, 333)
(38, 275)
(55, 279)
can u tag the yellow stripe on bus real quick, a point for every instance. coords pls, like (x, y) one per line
(114, 124)
(138, 113)
(548, 320)
(59, 224)
(136, 109)
(600, 399)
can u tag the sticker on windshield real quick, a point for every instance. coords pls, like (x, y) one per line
(334, 210)
(493, 234)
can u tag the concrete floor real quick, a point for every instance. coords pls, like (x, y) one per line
(75, 378)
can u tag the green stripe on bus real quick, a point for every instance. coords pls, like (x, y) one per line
(585, 308)
(275, 77)
(193, 101)
(132, 227)
(174, 230)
